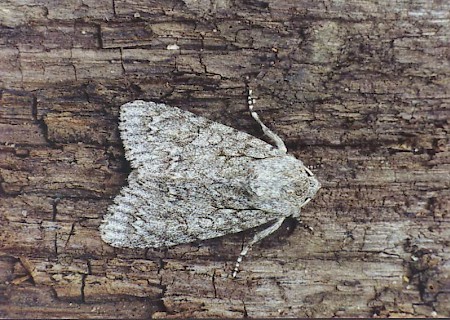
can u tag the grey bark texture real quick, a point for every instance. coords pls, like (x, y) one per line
(359, 90)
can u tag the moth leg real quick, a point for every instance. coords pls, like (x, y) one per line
(257, 237)
(272, 135)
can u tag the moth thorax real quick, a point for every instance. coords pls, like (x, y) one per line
(279, 177)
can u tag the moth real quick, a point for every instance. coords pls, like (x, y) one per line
(195, 179)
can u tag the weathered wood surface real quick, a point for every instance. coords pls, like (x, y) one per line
(358, 89)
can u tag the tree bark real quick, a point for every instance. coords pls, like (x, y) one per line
(359, 90)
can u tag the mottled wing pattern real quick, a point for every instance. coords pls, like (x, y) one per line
(190, 181)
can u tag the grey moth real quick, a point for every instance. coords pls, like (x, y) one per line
(194, 179)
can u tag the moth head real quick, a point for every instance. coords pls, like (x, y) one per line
(283, 179)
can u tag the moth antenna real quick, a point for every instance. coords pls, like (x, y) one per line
(308, 172)
(256, 238)
(269, 133)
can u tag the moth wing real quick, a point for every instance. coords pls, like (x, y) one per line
(155, 134)
(144, 215)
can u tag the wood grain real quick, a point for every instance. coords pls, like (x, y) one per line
(359, 90)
